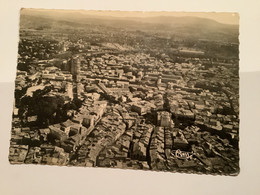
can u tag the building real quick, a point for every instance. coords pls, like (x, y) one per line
(142, 107)
(159, 81)
(164, 119)
(69, 91)
(89, 121)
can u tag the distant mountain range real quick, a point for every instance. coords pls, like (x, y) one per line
(193, 27)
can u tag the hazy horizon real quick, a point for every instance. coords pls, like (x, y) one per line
(221, 17)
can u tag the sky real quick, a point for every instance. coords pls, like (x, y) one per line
(221, 17)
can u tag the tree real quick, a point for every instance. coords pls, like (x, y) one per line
(49, 110)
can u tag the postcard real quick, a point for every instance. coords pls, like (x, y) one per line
(154, 91)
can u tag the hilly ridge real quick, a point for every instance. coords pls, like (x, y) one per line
(192, 27)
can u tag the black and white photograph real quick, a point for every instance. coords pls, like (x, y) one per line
(152, 91)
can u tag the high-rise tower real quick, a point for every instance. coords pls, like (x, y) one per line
(75, 66)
